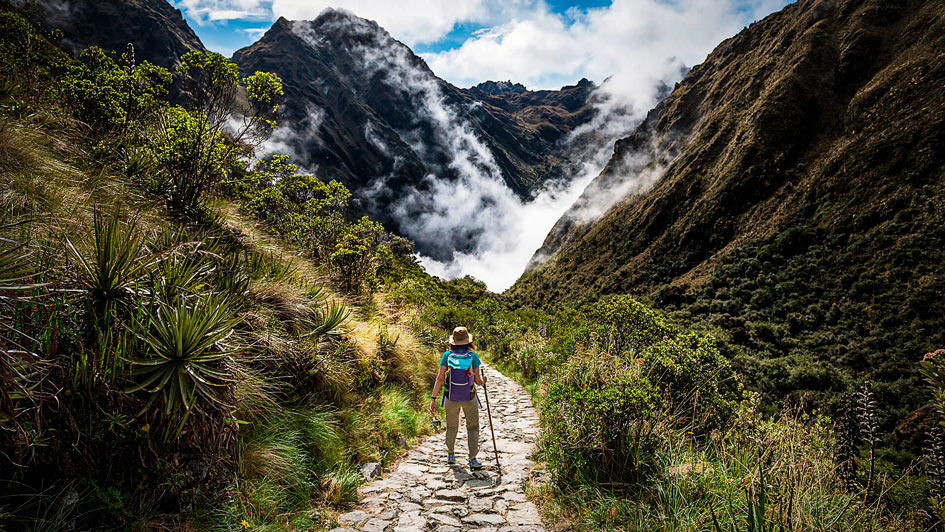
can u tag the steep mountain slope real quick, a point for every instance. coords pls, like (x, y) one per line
(788, 195)
(360, 107)
(155, 28)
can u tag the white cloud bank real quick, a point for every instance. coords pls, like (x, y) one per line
(634, 46)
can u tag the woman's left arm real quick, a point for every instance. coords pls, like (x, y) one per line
(480, 380)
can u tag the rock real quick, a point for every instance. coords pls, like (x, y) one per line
(375, 525)
(484, 519)
(340, 529)
(411, 522)
(445, 519)
(477, 504)
(524, 514)
(479, 483)
(353, 518)
(412, 469)
(501, 506)
(514, 497)
(451, 495)
(371, 470)
(410, 507)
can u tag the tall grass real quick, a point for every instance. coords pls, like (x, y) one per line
(757, 474)
(398, 414)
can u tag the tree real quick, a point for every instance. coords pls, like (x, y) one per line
(110, 97)
(224, 119)
(355, 253)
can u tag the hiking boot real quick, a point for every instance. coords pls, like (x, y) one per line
(474, 464)
(451, 458)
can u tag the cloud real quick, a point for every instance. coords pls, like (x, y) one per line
(255, 33)
(411, 21)
(207, 11)
(633, 40)
(634, 49)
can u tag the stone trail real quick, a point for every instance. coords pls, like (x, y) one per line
(423, 493)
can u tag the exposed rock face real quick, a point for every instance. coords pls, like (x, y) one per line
(360, 107)
(155, 28)
(793, 180)
(500, 87)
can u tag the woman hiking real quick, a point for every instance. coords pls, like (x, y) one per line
(459, 367)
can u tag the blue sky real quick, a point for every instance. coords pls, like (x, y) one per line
(541, 43)
(228, 35)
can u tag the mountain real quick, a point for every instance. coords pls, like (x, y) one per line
(362, 108)
(157, 30)
(789, 196)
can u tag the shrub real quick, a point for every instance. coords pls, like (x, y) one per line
(600, 413)
(194, 146)
(353, 258)
(110, 97)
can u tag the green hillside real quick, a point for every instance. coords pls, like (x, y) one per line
(168, 361)
(798, 212)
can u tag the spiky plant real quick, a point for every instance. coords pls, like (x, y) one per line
(178, 275)
(230, 276)
(139, 163)
(117, 260)
(326, 322)
(183, 344)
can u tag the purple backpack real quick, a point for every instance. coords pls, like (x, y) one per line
(459, 378)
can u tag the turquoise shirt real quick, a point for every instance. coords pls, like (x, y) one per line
(475, 362)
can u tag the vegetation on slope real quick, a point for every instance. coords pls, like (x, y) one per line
(798, 216)
(165, 363)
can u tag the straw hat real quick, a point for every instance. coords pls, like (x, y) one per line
(460, 336)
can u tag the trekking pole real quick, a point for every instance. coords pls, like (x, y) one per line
(489, 413)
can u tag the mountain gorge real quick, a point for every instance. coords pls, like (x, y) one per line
(206, 328)
(788, 197)
(362, 108)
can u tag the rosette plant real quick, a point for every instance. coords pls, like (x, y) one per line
(183, 348)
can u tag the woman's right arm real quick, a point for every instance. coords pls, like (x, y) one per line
(440, 377)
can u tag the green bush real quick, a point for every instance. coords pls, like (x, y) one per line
(110, 97)
(629, 373)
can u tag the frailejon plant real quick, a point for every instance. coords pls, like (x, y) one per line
(183, 346)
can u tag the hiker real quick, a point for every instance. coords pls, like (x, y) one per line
(461, 366)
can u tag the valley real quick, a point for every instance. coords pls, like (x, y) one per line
(708, 297)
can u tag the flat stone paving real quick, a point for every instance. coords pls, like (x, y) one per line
(424, 493)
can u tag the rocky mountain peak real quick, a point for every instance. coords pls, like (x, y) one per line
(501, 87)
